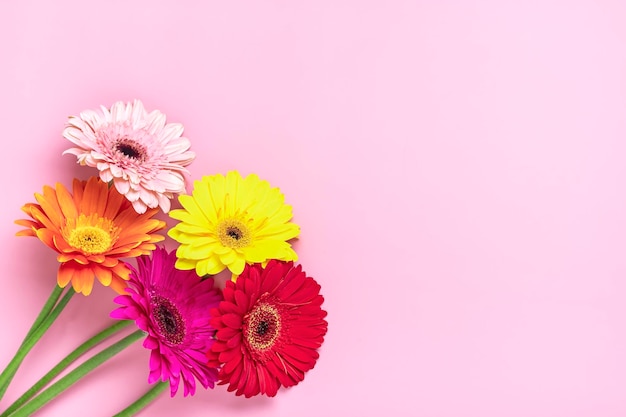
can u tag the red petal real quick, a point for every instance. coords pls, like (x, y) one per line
(232, 320)
(228, 307)
(226, 333)
(252, 386)
(242, 300)
(219, 346)
(230, 365)
(303, 355)
(235, 340)
(284, 378)
(310, 343)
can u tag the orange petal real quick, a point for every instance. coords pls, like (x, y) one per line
(75, 257)
(66, 202)
(94, 197)
(47, 237)
(77, 284)
(96, 258)
(49, 204)
(104, 275)
(78, 188)
(83, 280)
(114, 204)
(109, 262)
(65, 274)
(62, 245)
(87, 282)
(118, 285)
(121, 270)
(39, 215)
(27, 223)
(26, 233)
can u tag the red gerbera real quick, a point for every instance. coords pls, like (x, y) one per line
(269, 327)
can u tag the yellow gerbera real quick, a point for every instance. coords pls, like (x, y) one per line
(229, 221)
(91, 230)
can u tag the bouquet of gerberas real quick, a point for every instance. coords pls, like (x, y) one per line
(260, 332)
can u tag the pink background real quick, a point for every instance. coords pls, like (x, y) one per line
(457, 169)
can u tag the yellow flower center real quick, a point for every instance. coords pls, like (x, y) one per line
(90, 240)
(92, 235)
(233, 233)
(262, 327)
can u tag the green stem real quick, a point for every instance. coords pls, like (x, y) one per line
(9, 372)
(80, 371)
(144, 400)
(46, 309)
(65, 363)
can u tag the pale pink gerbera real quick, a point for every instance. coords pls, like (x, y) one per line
(137, 150)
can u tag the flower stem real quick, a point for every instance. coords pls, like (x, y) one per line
(29, 342)
(65, 363)
(144, 400)
(73, 376)
(46, 309)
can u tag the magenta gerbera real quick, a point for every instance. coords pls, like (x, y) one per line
(172, 307)
(137, 150)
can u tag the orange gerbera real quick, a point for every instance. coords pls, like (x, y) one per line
(91, 229)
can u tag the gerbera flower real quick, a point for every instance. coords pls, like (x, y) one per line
(91, 230)
(172, 307)
(268, 329)
(143, 156)
(230, 220)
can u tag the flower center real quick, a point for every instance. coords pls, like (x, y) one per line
(92, 235)
(130, 149)
(233, 233)
(262, 327)
(90, 240)
(168, 319)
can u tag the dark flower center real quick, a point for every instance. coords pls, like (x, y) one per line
(234, 232)
(130, 149)
(168, 320)
(262, 327)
